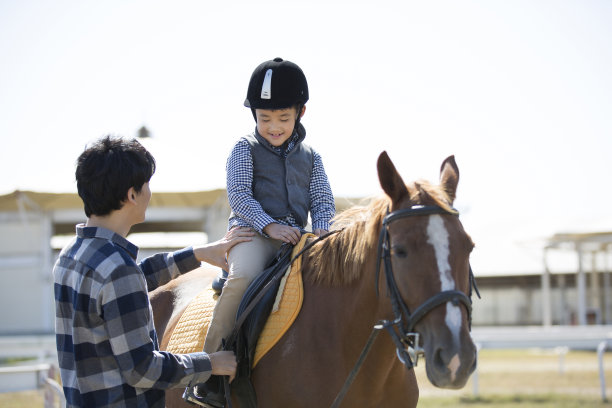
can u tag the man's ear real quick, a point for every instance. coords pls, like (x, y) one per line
(131, 195)
(303, 111)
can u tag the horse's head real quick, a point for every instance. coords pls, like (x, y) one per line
(425, 253)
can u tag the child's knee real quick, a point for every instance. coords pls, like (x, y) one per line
(244, 271)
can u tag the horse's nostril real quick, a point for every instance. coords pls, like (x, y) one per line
(438, 360)
(474, 363)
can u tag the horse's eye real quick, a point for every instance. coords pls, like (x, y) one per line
(399, 251)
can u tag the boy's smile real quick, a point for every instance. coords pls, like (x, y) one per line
(276, 126)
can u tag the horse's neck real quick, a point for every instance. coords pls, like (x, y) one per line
(346, 315)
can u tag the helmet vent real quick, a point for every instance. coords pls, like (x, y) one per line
(266, 88)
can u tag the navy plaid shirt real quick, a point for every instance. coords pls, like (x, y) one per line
(249, 213)
(106, 343)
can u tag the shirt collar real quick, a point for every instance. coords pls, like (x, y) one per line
(83, 231)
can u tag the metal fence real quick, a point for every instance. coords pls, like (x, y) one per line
(40, 372)
(560, 338)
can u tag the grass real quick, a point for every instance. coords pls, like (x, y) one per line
(507, 401)
(15, 360)
(506, 378)
(525, 378)
(23, 399)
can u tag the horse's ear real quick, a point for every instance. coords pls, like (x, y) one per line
(449, 177)
(390, 180)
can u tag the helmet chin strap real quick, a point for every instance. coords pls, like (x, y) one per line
(300, 106)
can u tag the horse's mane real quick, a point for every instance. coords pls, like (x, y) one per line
(339, 260)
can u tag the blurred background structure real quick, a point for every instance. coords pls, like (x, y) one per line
(35, 226)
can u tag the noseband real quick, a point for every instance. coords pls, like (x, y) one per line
(401, 327)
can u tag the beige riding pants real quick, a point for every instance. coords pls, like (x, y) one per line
(246, 261)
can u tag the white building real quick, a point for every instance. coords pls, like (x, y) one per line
(34, 226)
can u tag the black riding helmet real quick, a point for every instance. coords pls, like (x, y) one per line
(277, 84)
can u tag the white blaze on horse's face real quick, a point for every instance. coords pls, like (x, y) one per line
(437, 236)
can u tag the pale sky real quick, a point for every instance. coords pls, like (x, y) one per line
(519, 91)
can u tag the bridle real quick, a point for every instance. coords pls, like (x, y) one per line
(401, 328)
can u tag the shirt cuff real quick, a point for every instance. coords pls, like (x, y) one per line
(202, 367)
(261, 222)
(185, 260)
(320, 225)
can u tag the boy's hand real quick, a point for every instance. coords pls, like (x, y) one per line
(223, 363)
(319, 232)
(215, 252)
(283, 232)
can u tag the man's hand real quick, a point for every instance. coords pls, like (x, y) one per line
(283, 232)
(224, 363)
(215, 253)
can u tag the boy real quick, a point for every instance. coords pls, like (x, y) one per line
(273, 182)
(106, 341)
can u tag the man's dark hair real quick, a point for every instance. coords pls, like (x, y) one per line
(107, 169)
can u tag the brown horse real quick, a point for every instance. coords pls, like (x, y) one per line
(403, 252)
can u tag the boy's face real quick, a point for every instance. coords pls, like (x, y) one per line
(276, 126)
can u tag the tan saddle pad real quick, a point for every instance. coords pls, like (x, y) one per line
(190, 332)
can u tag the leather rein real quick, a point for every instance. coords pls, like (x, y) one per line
(401, 327)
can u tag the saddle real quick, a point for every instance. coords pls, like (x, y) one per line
(256, 329)
(253, 319)
(252, 314)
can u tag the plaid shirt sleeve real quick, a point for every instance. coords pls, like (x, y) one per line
(323, 206)
(161, 268)
(239, 187)
(124, 304)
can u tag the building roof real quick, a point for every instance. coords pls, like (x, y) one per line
(592, 240)
(32, 200)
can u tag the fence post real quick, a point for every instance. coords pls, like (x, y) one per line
(601, 348)
(561, 352)
(49, 396)
(52, 388)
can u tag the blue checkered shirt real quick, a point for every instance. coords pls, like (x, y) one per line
(106, 343)
(247, 212)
